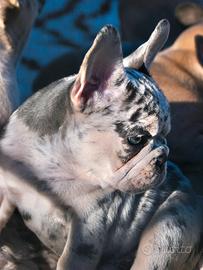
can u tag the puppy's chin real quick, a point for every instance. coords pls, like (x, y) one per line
(149, 170)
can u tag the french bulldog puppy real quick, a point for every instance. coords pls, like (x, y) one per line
(178, 70)
(72, 152)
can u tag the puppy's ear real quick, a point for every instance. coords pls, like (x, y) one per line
(145, 54)
(189, 13)
(101, 62)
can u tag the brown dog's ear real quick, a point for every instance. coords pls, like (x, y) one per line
(145, 54)
(102, 60)
(189, 13)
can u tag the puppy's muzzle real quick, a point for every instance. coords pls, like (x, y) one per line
(147, 169)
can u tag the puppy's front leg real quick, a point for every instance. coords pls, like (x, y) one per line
(83, 248)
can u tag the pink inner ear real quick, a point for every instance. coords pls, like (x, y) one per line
(89, 88)
(83, 90)
(99, 63)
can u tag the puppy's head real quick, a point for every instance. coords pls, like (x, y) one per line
(104, 125)
(118, 109)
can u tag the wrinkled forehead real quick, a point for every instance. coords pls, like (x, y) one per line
(145, 87)
(145, 104)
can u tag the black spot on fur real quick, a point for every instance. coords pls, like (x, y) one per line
(140, 100)
(131, 92)
(26, 216)
(120, 128)
(135, 115)
(119, 81)
(151, 108)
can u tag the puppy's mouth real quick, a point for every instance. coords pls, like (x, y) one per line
(144, 171)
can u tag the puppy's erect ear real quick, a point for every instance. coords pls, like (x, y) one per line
(189, 13)
(101, 62)
(145, 54)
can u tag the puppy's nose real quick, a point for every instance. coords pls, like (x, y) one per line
(161, 160)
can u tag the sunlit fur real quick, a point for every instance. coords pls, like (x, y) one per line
(57, 163)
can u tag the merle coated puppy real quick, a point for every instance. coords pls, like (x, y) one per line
(70, 155)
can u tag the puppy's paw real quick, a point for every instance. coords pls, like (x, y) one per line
(16, 20)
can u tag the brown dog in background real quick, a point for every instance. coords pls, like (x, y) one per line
(179, 72)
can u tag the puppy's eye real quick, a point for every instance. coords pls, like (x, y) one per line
(137, 140)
